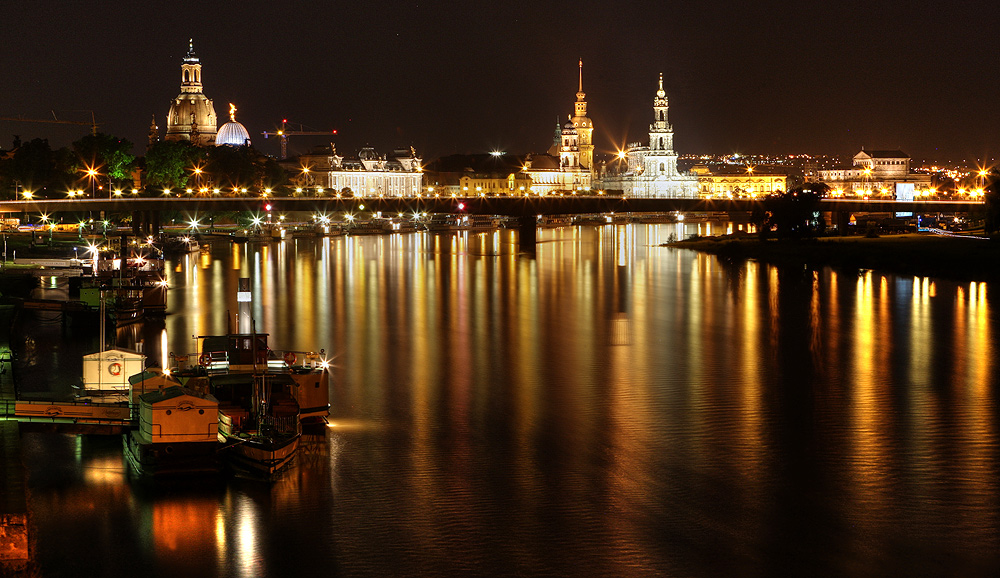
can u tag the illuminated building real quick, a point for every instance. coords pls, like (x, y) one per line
(876, 173)
(232, 133)
(575, 168)
(652, 170)
(324, 172)
(739, 181)
(492, 174)
(192, 115)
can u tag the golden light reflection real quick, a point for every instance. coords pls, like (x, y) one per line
(869, 421)
(184, 531)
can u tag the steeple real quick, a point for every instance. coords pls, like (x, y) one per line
(583, 125)
(191, 56)
(191, 70)
(154, 133)
(660, 106)
(661, 158)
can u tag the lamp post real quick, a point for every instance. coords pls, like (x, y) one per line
(92, 173)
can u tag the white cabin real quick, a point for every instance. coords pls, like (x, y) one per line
(110, 370)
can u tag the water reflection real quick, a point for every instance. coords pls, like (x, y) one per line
(608, 406)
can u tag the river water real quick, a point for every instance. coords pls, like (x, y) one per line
(604, 407)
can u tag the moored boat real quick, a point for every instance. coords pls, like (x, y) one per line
(176, 434)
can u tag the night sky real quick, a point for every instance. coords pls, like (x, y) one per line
(464, 77)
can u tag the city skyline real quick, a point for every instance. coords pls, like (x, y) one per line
(451, 79)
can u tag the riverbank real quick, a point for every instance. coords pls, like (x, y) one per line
(918, 254)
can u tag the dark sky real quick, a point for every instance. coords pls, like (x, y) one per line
(752, 77)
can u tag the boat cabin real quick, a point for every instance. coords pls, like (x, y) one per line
(236, 351)
(110, 369)
(178, 414)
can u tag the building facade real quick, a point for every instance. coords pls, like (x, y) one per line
(326, 173)
(652, 170)
(741, 182)
(192, 115)
(876, 173)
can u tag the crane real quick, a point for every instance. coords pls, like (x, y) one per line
(55, 120)
(284, 133)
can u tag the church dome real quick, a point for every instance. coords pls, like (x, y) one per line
(232, 133)
(192, 114)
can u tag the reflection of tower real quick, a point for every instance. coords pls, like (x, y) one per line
(621, 327)
(245, 323)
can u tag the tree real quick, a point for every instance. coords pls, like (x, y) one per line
(105, 154)
(170, 164)
(33, 166)
(795, 213)
(233, 167)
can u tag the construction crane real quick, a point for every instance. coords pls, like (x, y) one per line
(284, 133)
(55, 120)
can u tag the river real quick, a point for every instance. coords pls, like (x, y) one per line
(605, 407)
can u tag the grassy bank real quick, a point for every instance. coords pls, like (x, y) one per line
(911, 254)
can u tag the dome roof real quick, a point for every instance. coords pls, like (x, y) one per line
(191, 109)
(232, 133)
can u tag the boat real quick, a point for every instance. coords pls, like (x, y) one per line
(260, 434)
(176, 434)
(180, 244)
(264, 396)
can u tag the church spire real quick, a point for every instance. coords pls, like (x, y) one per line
(580, 95)
(154, 133)
(190, 56)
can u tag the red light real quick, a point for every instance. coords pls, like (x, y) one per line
(334, 131)
(284, 120)
(461, 206)
(268, 206)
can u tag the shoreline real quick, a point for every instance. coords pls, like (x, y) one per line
(910, 254)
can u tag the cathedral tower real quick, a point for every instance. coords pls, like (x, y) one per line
(584, 127)
(661, 160)
(192, 115)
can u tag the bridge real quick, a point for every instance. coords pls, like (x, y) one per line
(146, 211)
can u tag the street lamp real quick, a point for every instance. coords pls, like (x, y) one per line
(92, 173)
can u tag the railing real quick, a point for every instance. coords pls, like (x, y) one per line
(276, 361)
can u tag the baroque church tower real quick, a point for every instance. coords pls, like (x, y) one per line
(577, 150)
(192, 115)
(661, 160)
(584, 127)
